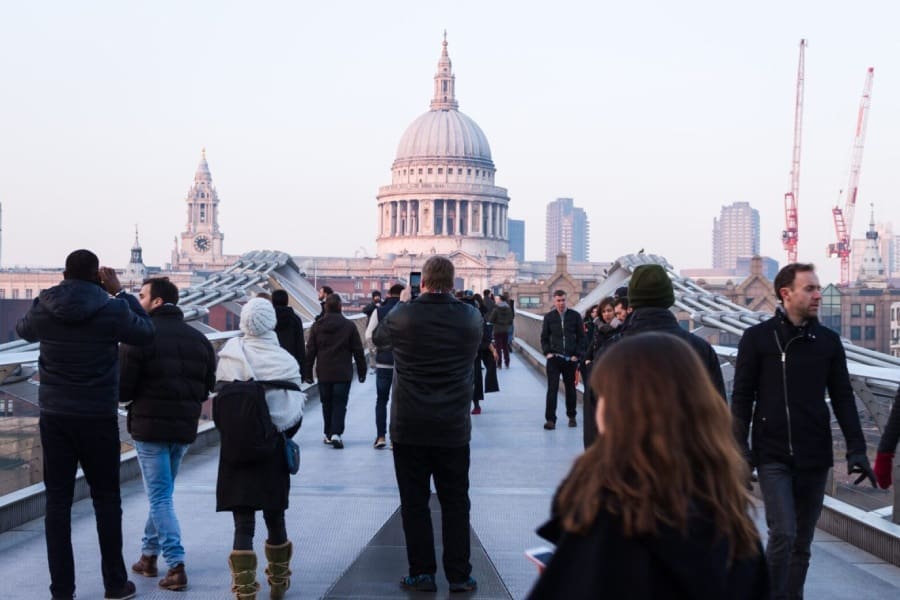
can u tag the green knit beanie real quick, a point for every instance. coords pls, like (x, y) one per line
(650, 286)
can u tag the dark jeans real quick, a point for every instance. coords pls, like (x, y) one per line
(414, 467)
(793, 499)
(334, 396)
(557, 366)
(501, 341)
(93, 442)
(589, 408)
(245, 528)
(383, 380)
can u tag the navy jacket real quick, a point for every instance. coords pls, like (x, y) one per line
(167, 380)
(663, 320)
(79, 327)
(434, 339)
(780, 379)
(383, 354)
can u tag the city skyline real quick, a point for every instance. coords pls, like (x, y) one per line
(651, 116)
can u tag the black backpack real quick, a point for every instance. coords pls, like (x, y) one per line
(242, 417)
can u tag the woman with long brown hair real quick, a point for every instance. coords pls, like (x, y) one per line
(658, 506)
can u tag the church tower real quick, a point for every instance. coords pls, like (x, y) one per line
(201, 241)
(135, 271)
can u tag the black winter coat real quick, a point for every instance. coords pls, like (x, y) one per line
(780, 379)
(79, 327)
(669, 566)
(167, 380)
(663, 320)
(501, 316)
(383, 355)
(891, 434)
(435, 339)
(333, 343)
(563, 334)
(289, 330)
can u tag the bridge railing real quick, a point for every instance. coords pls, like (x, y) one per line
(848, 512)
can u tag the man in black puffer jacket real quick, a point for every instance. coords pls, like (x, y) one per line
(165, 383)
(650, 295)
(784, 367)
(289, 328)
(79, 327)
(434, 339)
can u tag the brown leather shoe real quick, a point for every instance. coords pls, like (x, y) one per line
(146, 566)
(550, 425)
(175, 579)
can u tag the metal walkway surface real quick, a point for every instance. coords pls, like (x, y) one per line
(343, 501)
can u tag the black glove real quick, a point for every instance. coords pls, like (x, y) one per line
(859, 463)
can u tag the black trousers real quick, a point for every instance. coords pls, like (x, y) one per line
(334, 396)
(556, 367)
(414, 467)
(94, 443)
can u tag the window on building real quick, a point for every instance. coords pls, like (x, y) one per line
(870, 311)
(468, 171)
(855, 332)
(440, 170)
(528, 301)
(429, 170)
(870, 332)
(459, 171)
(2, 293)
(420, 170)
(404, 171)
(357, 284)
(28, 294)
(855, 310)
(15, 294)
(830, 309)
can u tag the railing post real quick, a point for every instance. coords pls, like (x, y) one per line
(895, 517)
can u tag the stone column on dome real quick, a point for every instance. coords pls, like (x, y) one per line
(469, 217)
(444, 218)
(414, 217)
(490, 213)
(459, 221)
(395, 213)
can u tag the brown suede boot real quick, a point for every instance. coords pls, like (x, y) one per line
(243, 574)
(146, 566)
(175, 579)
(278, 571)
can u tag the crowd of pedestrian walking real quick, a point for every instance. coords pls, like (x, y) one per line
(657, 506)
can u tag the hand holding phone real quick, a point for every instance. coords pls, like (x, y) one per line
(415, 284)
(540, 556)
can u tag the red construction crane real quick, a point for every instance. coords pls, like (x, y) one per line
(843, 218)
(790, 235)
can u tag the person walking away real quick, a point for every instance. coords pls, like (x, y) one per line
(650, 298)
(435, 339)
(79, 328)
(289, 328)
(164, 384)
(562, 343)
(657, 508)
(384, 366)
(501, 317)
(333, 345)
(263, 482)
(784, 368)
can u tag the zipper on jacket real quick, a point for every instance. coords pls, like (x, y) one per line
(562, 328)
(787, 407)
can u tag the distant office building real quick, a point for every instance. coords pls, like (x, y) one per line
(517, 238)
(568, 231)
(735, 234)
(888, 247)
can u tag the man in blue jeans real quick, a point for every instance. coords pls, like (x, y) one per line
(79, 327)
(384, 365)
(784, 367)
(164, 384)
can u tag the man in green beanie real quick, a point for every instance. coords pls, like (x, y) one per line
(650, 295)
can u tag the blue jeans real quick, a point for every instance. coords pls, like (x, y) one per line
(793, 499)
(383, 380)
(334, 396)
(159, 464)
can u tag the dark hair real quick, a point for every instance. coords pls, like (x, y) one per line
(376, 293)
(326, 289)
(667, 445)
(333, 303)
(487, 293)
(504, 296)
(559, 293)
(396, 289)
(280, 298)
(622, 301)
(83, 265)
(587, 313)
(608, 301)
(437, 274)
(787, 274)
(162, 288)
(621, 292)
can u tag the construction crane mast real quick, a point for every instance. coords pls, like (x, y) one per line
(843, 218)
(790, 235)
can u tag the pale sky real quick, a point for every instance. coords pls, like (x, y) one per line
(652, 115)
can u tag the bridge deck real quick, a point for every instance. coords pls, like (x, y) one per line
(343, 498)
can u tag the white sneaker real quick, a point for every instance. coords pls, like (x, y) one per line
(336, 442)
(326, 440)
